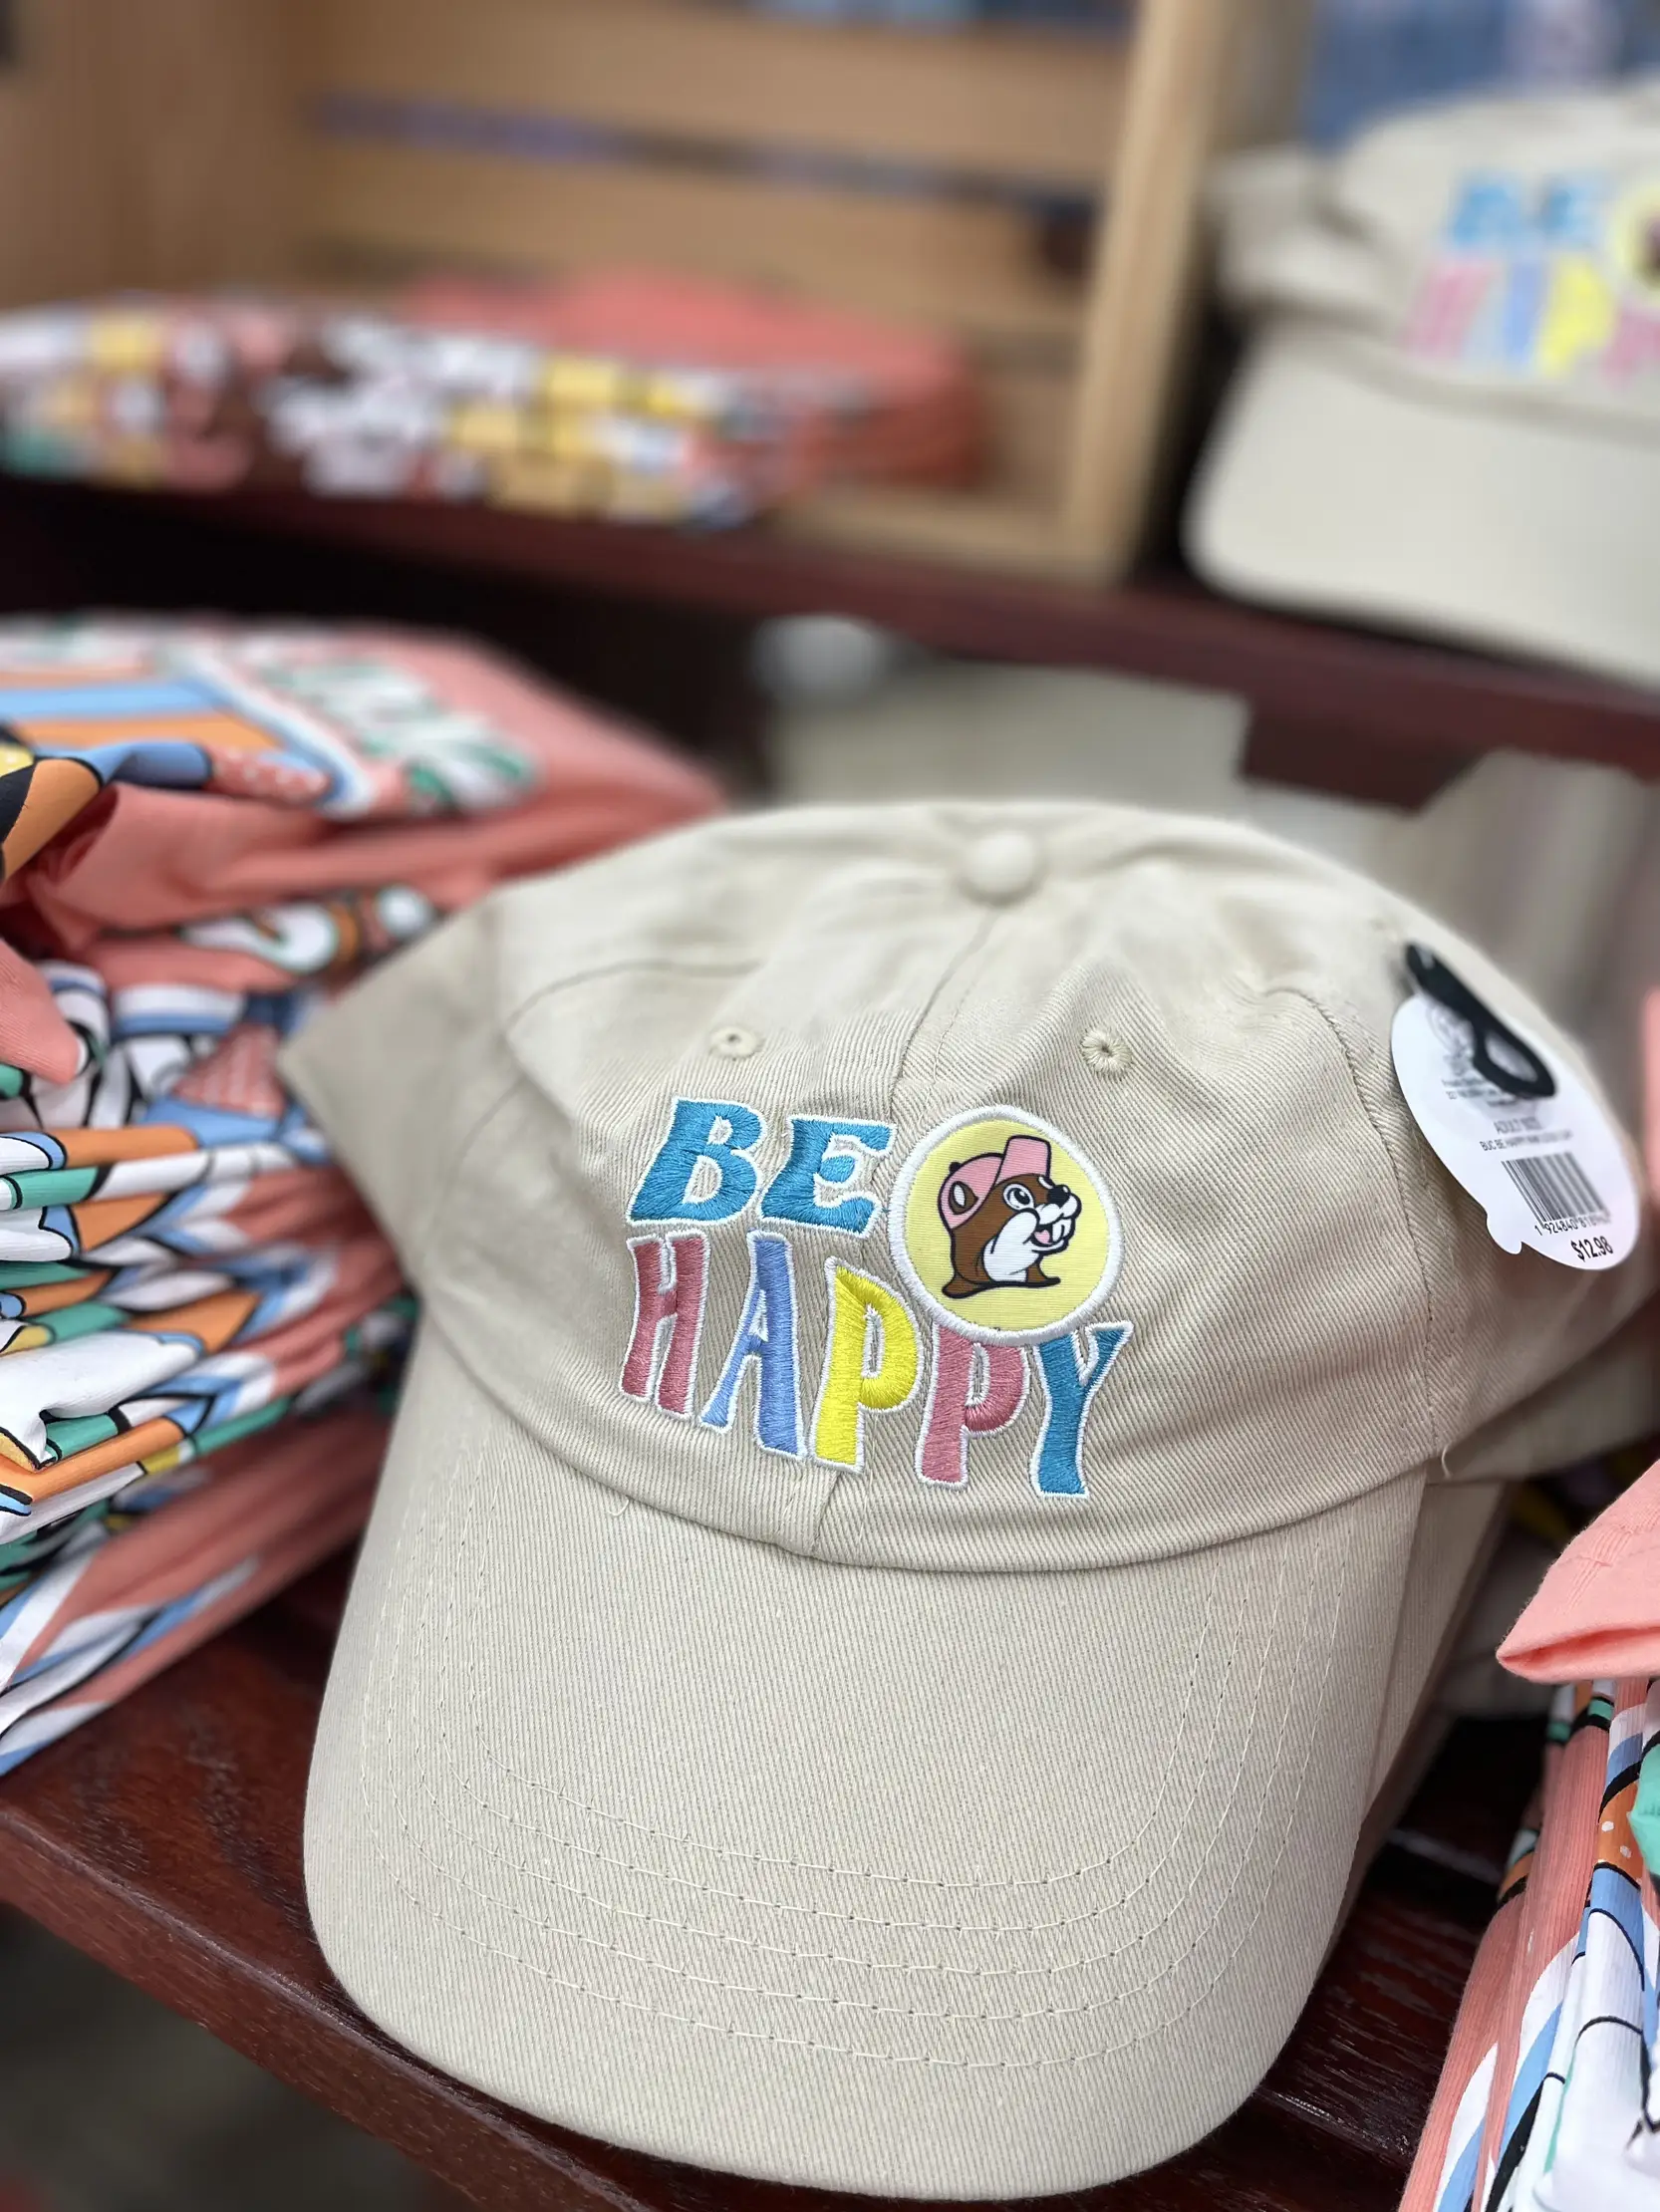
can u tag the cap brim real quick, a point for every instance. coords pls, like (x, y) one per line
(1335, 485)
(927, 1884)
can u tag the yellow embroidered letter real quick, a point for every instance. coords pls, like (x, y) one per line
(1580, 315)
(851, 1382)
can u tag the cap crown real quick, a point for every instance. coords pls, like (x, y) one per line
(666, 1142)
(1509, 246)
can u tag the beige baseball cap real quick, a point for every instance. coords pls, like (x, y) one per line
(912, 1535)
(1449, 421)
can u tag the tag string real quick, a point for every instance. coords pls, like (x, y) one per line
(1529, 1077)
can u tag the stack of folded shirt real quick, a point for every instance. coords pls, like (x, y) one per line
(203, 832)
(649, 397)
(1550, 2099)
(92, 1606)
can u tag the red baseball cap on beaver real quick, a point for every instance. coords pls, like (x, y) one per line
(972, 1181)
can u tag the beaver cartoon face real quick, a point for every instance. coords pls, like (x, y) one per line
(1006, 1216)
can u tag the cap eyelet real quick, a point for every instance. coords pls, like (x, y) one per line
(734, 1042)
(1106, 1054)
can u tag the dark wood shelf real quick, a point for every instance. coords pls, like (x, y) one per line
(652, 621)
(163, 1838)
(1343, 686)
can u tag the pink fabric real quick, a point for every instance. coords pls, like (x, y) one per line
(273, 1507)
(902, 400)
(656, 315)
(145, 859)
(33, 1035)
(1597, 1611)
(1467, 2072)
(1551, 1905)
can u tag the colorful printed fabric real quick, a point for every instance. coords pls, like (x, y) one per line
(145, 1397)
(120, 1594)
(203, 830)
(1443, 2171)
(117, 1342)
(640, 397)
(274, 765)
(1547, 2100)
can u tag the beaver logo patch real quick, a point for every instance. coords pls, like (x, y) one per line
(1006, 1216)
(1003, 1229)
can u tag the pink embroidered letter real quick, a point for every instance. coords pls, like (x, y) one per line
(669, 1278)
(956, 1412)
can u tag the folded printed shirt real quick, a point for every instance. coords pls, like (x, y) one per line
(1549, 2101)
(314, 798)
(98, 1605)
(204, 829)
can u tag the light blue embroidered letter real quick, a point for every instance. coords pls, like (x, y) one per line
(1057, 1469)
(767, 1334)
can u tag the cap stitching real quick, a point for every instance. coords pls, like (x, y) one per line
(1350, 1061)
(808, 1996)
(734, 966)
(773, 1905)
(590, 1810)
(800, 1866)
(617, 2000)
(978, 934)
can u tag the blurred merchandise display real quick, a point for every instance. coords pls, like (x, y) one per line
(1372, 56)
(632, 396)
(1449, 421)
(1088, 15)
(207, 830)
(1367, 58)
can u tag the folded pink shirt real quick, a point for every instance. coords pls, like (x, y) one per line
(1597, 1611)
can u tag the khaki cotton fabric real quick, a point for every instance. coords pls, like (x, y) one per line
(819, 1822)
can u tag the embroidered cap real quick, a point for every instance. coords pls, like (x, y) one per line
(871, 1683)
(1450, 417)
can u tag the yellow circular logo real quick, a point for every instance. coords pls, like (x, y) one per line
(1003, 1228)
(1634, 238)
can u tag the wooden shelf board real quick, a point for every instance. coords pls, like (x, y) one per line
(1325, 700)
(1339, 683)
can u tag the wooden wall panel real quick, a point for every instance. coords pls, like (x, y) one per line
(991, 104)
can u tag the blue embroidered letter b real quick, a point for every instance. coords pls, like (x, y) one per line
(703, 1129)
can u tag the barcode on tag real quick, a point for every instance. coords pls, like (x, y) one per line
(1556, 1188)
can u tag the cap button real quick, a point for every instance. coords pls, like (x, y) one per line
(1000, 867)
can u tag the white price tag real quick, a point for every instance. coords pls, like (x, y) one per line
(1550, 1173)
